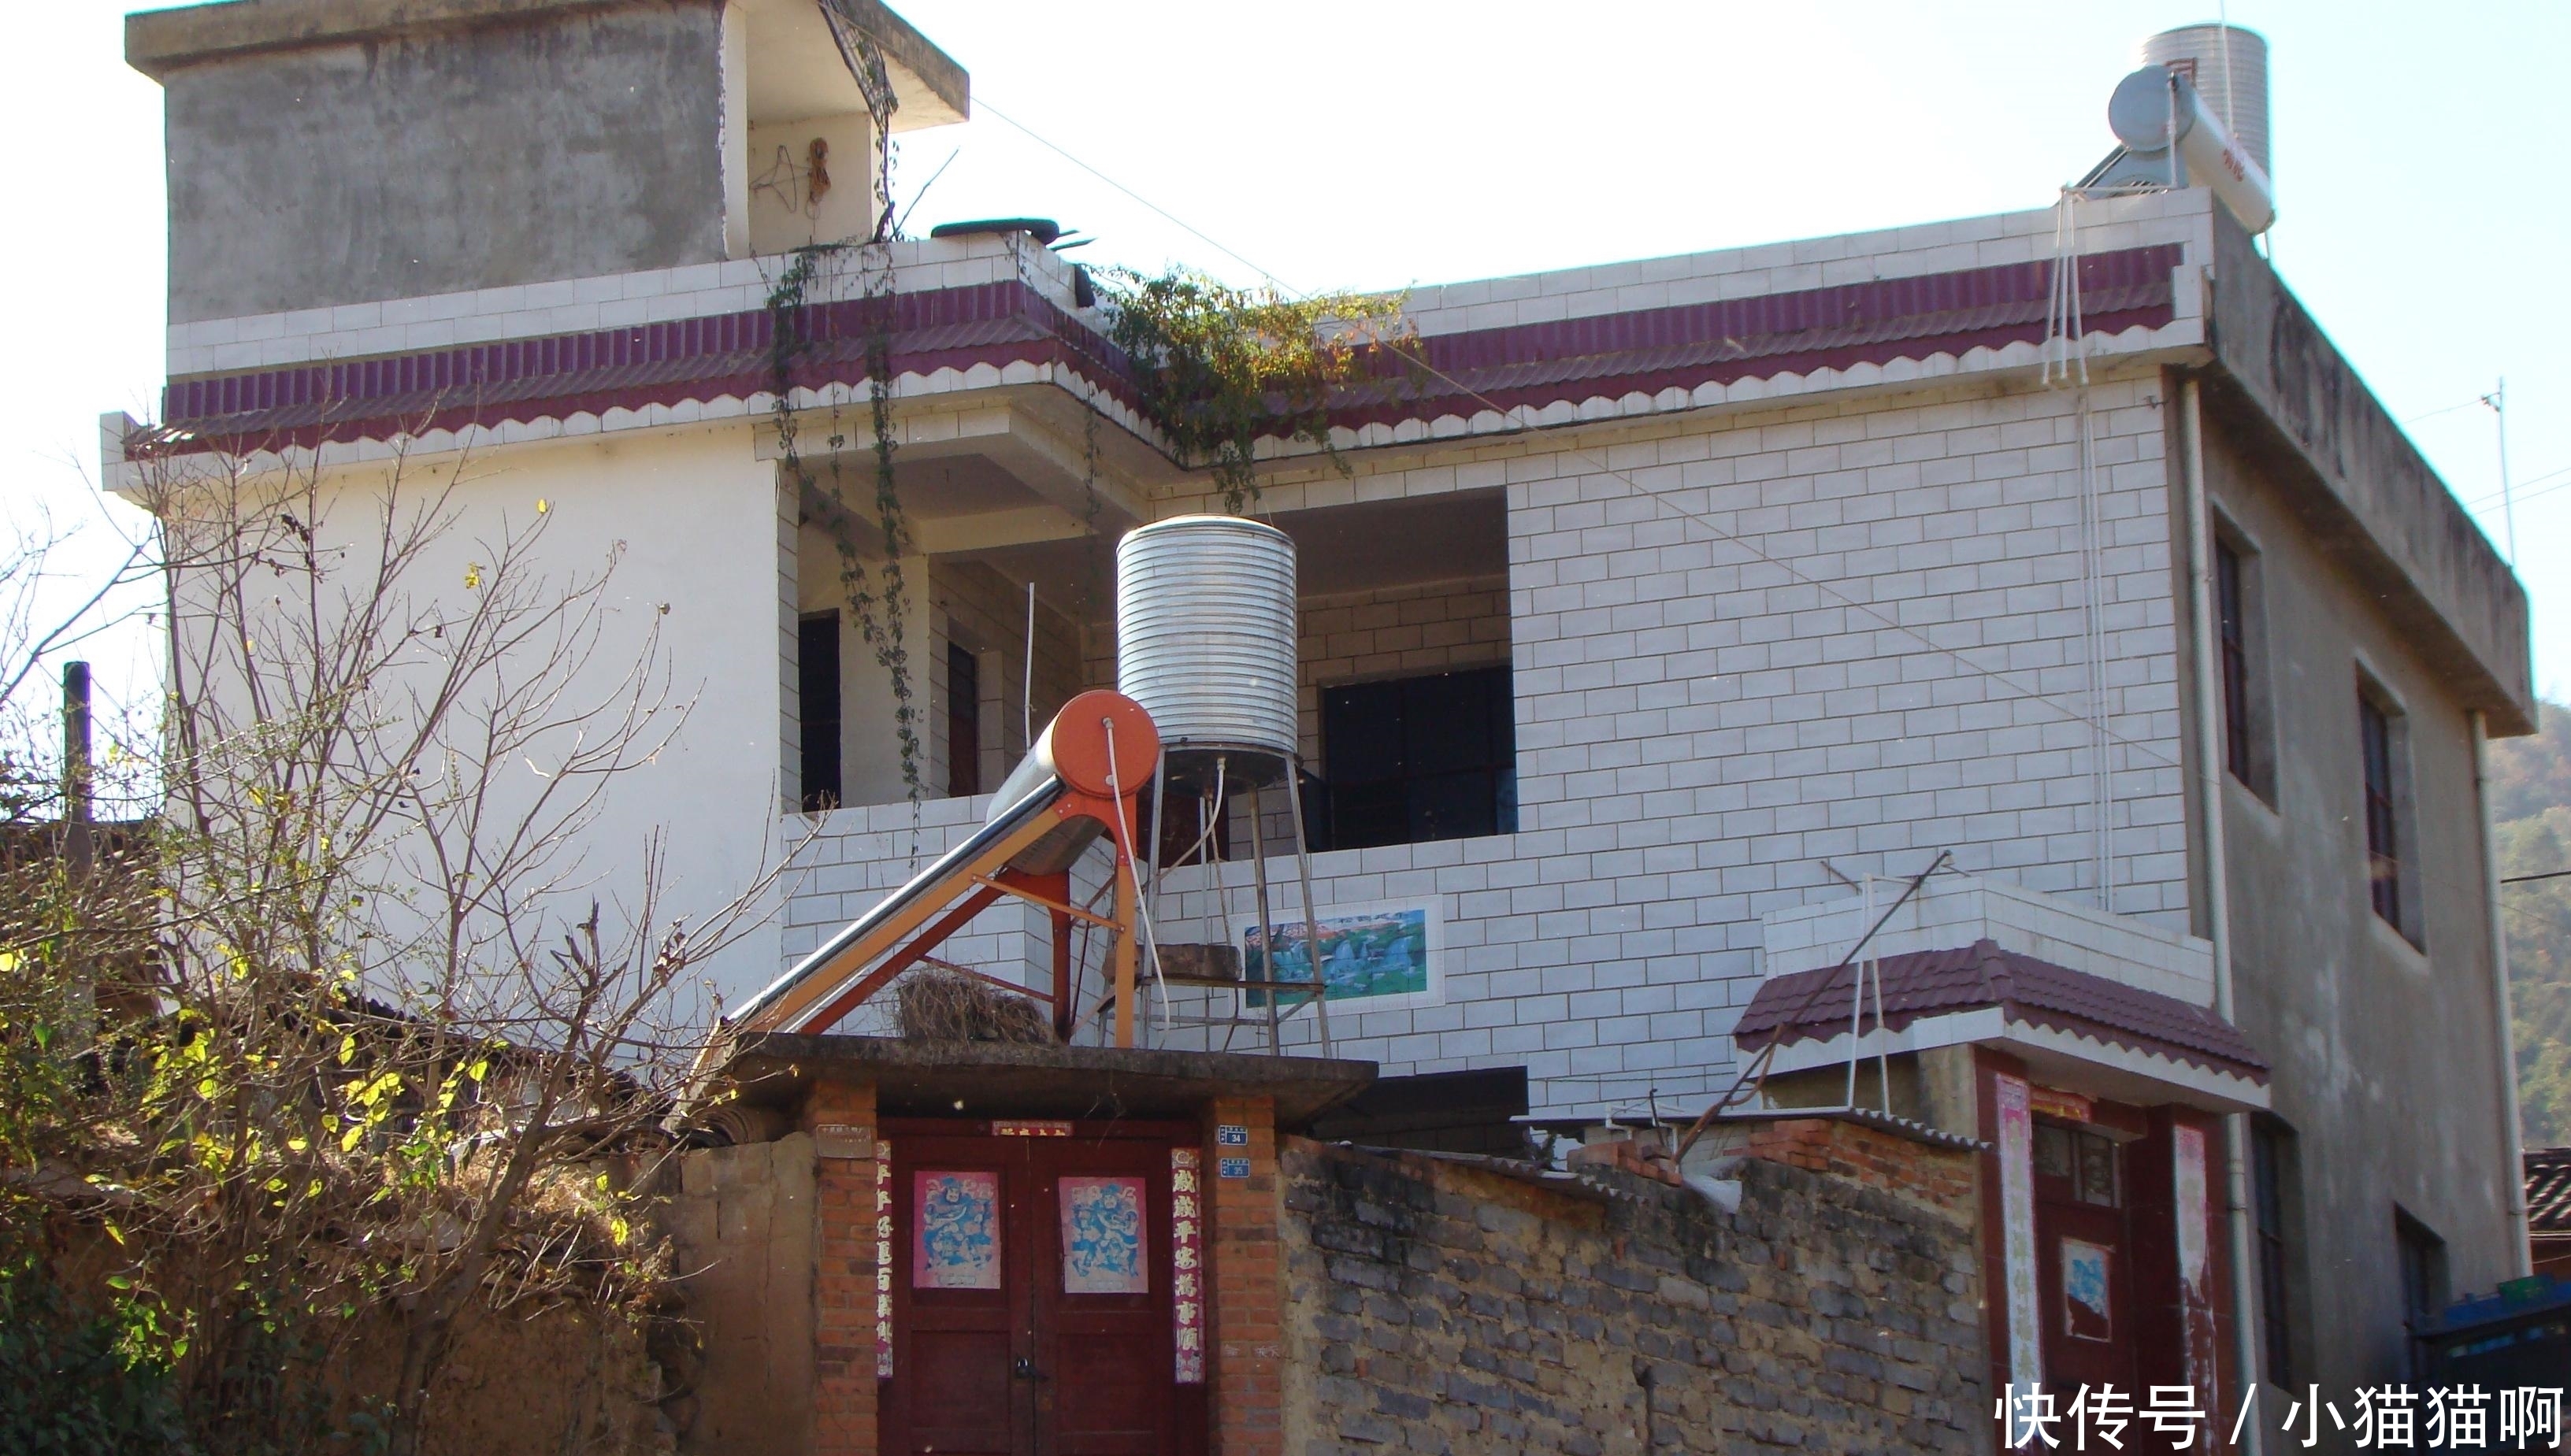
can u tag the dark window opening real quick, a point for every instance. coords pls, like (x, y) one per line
(2424, 1282)
(1420, 758)
(816, 682)
(2382, 844)
(2085, 1162)
(963, 721)
(2233, 620)
(2271, 1149)
(1436, 1112)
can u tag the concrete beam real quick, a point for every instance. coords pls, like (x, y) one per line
(1003, 1078)
(2290, 395)
(932, 88)
(1011, 432)
(993, 530)
(158, 42)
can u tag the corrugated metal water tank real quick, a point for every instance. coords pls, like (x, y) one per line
(2229, 67)
(1204, 635)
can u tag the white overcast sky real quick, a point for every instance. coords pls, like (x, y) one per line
(1396, 142)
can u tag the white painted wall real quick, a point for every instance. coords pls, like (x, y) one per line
(689, 519)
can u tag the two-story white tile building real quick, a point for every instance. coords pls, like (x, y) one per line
(1679, 615)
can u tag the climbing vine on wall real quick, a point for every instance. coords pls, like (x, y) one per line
(1216, 366)
(877, 594)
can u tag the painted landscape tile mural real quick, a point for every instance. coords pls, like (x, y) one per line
(1366, 955)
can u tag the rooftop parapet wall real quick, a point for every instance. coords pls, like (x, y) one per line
(1957, 910)
(325, 153)
(1957, 244)
(543, 142)
(2291, 396)
(517, 313)
(1732, 331)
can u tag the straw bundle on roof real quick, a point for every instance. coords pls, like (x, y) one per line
(945, 1006)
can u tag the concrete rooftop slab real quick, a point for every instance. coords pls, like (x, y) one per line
(1003, 1078)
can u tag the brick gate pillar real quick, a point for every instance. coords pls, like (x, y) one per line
(1248, 1308)
(842, 1119)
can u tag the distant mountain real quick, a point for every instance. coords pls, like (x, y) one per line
(2531, 808)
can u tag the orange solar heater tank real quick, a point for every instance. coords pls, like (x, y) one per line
(1080, 781)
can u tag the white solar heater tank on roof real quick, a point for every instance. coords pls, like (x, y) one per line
(2228, 67)
(1205, 640)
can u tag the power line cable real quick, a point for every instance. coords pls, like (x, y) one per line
(2522, 492)
(2448, 409)
(1174, 219)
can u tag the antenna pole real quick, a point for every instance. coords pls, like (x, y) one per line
(2498, 399)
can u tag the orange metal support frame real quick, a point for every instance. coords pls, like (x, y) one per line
(1102, 749)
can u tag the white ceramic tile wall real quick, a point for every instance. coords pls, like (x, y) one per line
(1700, 727)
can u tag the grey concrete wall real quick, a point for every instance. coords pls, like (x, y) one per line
(746, 1221)
(569, 145)
(2384, 1053)
(2359, 486)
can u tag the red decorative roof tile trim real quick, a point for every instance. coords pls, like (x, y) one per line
(1814, 1006)
(1537, 365)
(1878, 323)
(672, 362)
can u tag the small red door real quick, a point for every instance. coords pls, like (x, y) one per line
(2083, 1277)
(1031, 1305)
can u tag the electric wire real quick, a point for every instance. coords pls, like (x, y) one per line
(1172, 217)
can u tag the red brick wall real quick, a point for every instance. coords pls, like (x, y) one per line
(1906, 1167)
(844, 1287)
(1248, 1335)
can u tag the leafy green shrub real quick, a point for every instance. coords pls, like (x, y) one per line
(78, 1382)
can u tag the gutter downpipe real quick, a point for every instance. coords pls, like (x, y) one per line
(2218, 893)
(2521, 1261)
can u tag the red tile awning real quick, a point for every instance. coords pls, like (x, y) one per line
(1816, 1006)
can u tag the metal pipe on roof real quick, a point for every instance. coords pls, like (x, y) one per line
(2218, 889)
